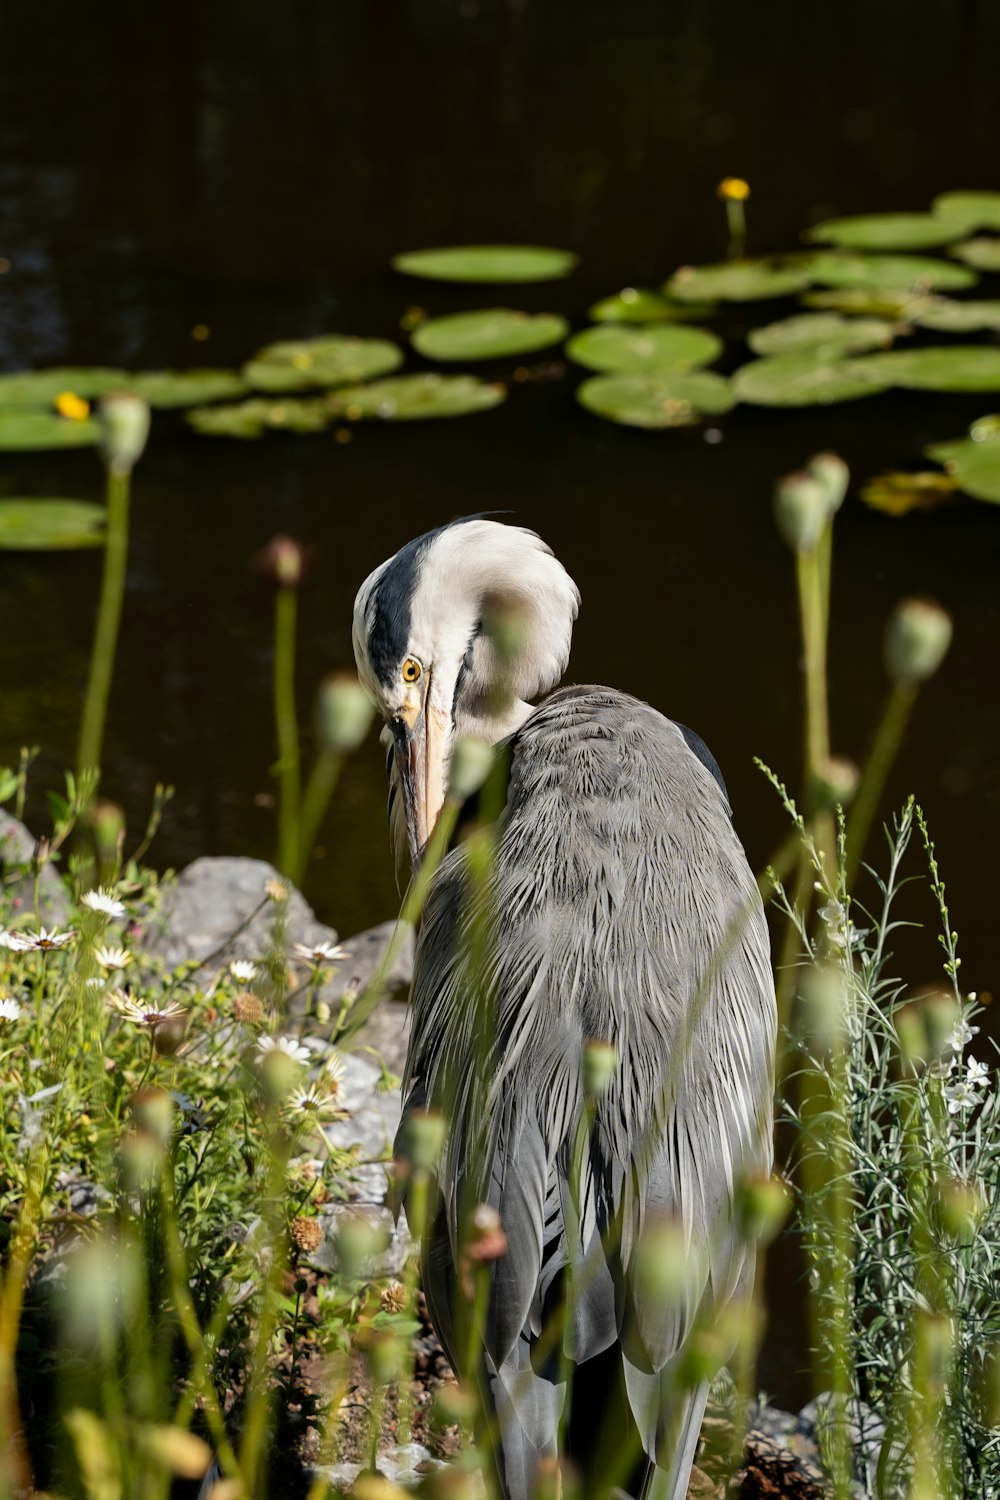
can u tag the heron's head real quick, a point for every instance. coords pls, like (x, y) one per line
(454, 636)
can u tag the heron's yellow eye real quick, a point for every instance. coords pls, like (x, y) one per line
(411, 670)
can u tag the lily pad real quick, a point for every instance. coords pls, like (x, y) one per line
(26, 429)
(301, 364)
(983, 253)
(50, 525)
(411, 397)
(983, 430)
(966, 367)
(804, 379)
(945, 315)
(970, 210)
(886, 232)
(656, 400)
(740, 280)
(664, 347)
(640, 305)
(827, 333)
(897, 273)
(173, 388)
(487, 263)
(251, 419)
(896, 493)
(41, 387)
(896, 305)
(491, 333)
(978, 472)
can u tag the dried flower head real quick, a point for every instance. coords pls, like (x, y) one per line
(248, 1008)
(306, 1234)
(277, 890)
(393, 1297)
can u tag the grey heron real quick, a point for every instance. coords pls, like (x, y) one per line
(622, 909)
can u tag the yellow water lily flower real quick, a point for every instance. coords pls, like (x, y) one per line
(734, 189)
(69, 404)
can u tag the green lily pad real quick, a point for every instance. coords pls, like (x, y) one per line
(41, 387)
(740, 280)
(967, 367)
(26, 429)
(660, 399)
(334, 359)
(886, 232)
(978, 473)
(983, 253)
(970, 210)
(663, 347)
(946, 315)
(896, 305)
(640, 305)
(896, 273)
(487, 263)
(898, 492)
(50, 525)
(805, 379)
(982, 430)
(173, 388)
(492, 333)
(411, 397)
(827, 333)
(251, 419)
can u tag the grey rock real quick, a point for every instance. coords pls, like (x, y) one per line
(17, 846)
(387, 1032)
(220, 906)
(390, 1241)
(865, 1430)
(398, 1464)
(368, 950)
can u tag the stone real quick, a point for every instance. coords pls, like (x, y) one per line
(405, 1464)
(17, 847)
(391, 1240)
(220, 909)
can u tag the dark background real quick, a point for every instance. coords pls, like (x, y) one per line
(253, 169)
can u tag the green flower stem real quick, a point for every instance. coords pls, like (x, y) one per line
(315, 801)
(287, 729)
(736, 223)
(102, 658)
(885, 748)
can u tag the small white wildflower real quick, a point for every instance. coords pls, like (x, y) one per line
(961, 1035)
(314, 1103)
(14, 941)
(146, 1016)
(9, 1010)
(243, 969)
(961, 1095)
(104, 902)
(115, 959)
(977, 1073)
(42, 941)
(272, 1046)
(97, 983)
(319, 953)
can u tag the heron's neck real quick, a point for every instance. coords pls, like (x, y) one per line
(491, 723)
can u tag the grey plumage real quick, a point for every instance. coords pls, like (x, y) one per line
(620, 907)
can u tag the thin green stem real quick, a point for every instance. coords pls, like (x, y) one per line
(315, 801)
(102, 659)
(287, 730)
(885, 748)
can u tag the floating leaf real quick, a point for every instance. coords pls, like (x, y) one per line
(41, 387)
(50, 525)
(656, 400)
(409, 397)
(895, 273)
(897, 493)
(970, 210)
(978, 472)
(740, 280)
(897, 305)
(487, 263)
(828, 333)
(492, 333)
(663, 347)
(334, 359)
(639, 305)
(967, 367)
(24, 429)
(982, 253)
(886, 232)
(799, 380)
(251, 419)
(171, 388)
(948, 316)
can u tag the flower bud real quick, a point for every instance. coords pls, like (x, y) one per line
(824, 999)
(344, 713)
(702, 1359)
(763, 1204)
(833, 475)
(106, 821)
(600, 1064)
(124, 420)
(960, 1208)
(836, 781)
(917, 638)
(471, 763)
(153, 1110)
(423, 1133)
(169, 1034)
(667, 1266)
(454, 1406)
(182, 1452)
(486, 1238)
(282, 562)
(356, 1242)
(733, 190)
(801, 511)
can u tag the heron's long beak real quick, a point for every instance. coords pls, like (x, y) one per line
(420, 733)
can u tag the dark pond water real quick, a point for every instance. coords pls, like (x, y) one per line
(252, 168)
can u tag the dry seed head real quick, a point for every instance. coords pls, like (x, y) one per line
(393, 1297)
(277, 890)
(248, 1008)
(306, 1234)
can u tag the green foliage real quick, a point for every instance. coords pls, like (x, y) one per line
(888, 231)
(251, 419)
(23, 429)
(982, 253)
(660, 400)
(973, 461)
(487, 263)
(828, 334)
(660, 349)
(410, 398)
(966, 367)
(807, 379)
(332, 360)
(491, 333)
(969, 210)
(741, 280)
(50, 525)
(640, 305)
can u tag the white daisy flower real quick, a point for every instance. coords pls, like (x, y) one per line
(334, 1069)
(243, 969)
(977, 1073)
(98, 982)
(319, 953)
(961, 1095)
(42, 941)
(140, 1014)
(961, 1035)
(9, 1010)
(113, 958)
(286, 1046)
(104, 902)
(313, 1102)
